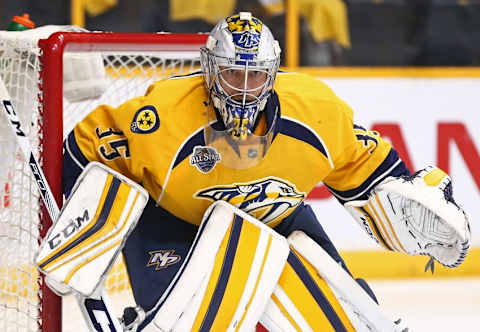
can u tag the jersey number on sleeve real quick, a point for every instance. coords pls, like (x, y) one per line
(369, 138)
(115, 148)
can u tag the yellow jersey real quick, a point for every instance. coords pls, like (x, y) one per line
(158, 140)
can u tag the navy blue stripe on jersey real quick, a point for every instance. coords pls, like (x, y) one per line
(391, 166)
(316, 292)
(102, 218)
(272, 111)
(355, 126)
(301, 132)
(198, 139)
(72, 148)
(73, 163)
(224, 274)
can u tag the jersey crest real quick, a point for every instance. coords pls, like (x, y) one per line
(266, 199)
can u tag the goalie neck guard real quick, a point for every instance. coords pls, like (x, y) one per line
(239, 62)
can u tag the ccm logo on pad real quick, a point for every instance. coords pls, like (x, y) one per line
(66, 232)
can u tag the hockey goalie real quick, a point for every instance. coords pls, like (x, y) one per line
(226, 157)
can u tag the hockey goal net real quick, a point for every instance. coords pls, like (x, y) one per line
(49, 102)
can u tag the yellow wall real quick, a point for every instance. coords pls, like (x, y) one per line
(394, 265)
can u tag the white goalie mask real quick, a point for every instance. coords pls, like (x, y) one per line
(239, 62)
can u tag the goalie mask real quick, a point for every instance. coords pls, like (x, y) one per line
(240, 62)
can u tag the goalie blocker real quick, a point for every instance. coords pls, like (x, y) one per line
(83, 243)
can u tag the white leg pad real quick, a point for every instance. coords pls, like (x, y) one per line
(274, 320)
(228, 276)
(363, 312)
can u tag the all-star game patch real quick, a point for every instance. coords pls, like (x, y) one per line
(204, 158)
(145, 120)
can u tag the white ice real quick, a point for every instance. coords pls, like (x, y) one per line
(439, 305)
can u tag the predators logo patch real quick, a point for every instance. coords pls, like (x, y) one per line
(162, 258)
(269, 199)
(145, 120)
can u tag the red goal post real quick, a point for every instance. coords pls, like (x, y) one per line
(33, 69)
(52, 75)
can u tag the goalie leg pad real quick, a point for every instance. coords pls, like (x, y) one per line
(303, 301)
(362, 312)
(84, 242)
(227, 279)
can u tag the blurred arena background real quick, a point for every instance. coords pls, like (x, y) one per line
(409, 68)
(327, 32)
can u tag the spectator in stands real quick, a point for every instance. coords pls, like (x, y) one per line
(441, 34)
(324, 36)
(324, 29)
(186, 16)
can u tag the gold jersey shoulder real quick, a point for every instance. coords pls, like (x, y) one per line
(141, 137)
(355, 153)
(311, 103)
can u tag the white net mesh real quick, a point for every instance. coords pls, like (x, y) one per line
(127, 74)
